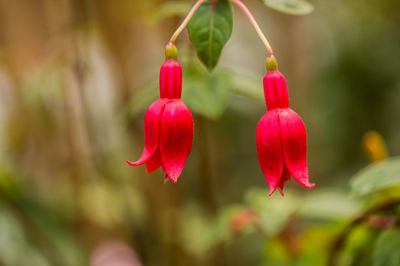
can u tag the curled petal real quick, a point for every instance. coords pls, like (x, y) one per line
(151, 131)
(176, 137)
(294, 143)
(269, 149)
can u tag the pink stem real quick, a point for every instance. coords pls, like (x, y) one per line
(255, 25)
(186, 21)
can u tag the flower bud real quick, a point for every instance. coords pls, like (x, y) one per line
(171, 79)
(271, 64)
(275, 90)
(171, 52)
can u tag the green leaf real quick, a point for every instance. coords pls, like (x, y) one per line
(376, 177)
(386, 251)
(170, 9)
(210, 29)
(292, 7)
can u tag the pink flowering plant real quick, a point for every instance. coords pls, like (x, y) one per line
(165, 133)
(281, 134)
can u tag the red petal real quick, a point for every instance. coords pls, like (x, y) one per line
(294, 143)
(176, 137)
(154, 162)
(151, 131)
(285, 177)
(269, 149)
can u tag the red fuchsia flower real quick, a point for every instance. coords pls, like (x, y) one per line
(168, 126)
(281, 135)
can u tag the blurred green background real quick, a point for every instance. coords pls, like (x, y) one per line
(76, 77)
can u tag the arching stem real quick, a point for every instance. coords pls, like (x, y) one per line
(255, 25)
(185, 22)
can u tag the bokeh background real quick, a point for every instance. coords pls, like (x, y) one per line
(76, 77)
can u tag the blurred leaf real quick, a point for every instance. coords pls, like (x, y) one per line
(376, 177)
(8, 184)
(332, 205)
(359, 246)
(275, 253)
(13, 243)
(248, 85)
(200, 234)
(43, 240)
(170, 9)
(274, 211)
(197, 234)
(143, 98)
(100, 195)
(314, 244)
(292, 7)
(207, 94)
(54, 233)
(387, 248)
(210, 29)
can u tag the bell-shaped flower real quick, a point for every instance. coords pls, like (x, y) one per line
(281, 137)
(168, 126)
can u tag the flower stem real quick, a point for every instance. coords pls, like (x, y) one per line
(185, 21)
(255, 25)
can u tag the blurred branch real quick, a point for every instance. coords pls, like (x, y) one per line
(204, 165)
(341, 239)
(207, 182)
(74, 77)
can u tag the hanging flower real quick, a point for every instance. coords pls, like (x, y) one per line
(168, 126)
(281, 135)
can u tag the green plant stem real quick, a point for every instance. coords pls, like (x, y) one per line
(341, 239)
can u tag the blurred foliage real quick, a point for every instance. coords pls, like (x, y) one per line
(292, 7)
(387, 247)
(377, 177)
(170, 9)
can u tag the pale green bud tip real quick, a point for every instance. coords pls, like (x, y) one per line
(271, 64)
(170, 51)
